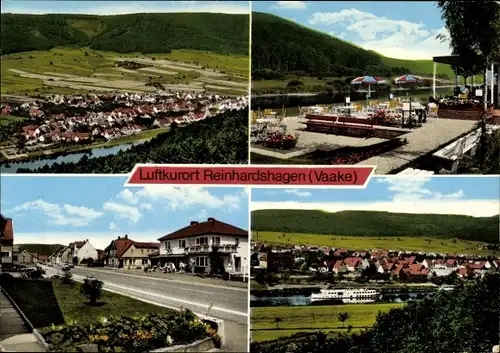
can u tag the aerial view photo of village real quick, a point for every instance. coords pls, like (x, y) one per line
(406, 265)
(122, 270)
(412, 88)
(96, 87)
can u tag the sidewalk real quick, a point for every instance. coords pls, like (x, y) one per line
(15, 336)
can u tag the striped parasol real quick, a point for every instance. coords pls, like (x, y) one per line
(401, 80)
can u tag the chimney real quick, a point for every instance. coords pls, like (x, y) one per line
(126, 236)
(118, 237)
(193, 223)
(210, 219)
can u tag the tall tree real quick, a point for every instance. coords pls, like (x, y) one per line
(474, 28)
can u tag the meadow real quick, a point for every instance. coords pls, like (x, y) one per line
(426, 244)
(270, 323)
(66, 70)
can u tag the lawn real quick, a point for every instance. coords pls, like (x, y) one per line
(6, 119)
(74, 307)
(50, 302)
(312, 318)
(449, 246)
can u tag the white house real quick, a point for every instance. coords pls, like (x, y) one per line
(194, 245)
(86, 251)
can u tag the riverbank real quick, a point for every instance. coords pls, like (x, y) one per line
(50, 153)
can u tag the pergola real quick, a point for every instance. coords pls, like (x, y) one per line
(454, 62)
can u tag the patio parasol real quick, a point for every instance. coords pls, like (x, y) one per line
(367, 81)
(401, 80)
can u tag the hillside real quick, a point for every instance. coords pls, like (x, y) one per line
(143, 33)
(42, 249)
(281, 47)
(370, 223)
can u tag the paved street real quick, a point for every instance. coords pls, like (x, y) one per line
(228, 303)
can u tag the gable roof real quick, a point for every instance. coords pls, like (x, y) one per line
(211, 226)
(6, 228)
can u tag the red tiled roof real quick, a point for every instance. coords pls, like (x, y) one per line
(146, 245)
(6, 228)
(211, 226)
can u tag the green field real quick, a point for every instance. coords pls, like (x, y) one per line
(450, 246)
(312, 318)
(6, 119)
(93, 64)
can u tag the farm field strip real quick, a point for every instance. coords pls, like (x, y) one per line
(361, 243)
(158, 71)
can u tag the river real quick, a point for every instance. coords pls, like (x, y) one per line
(12, 168)
(276, 101)
(301, 300)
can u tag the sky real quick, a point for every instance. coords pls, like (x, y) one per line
(123, 7)
(397, 29)
(472, 196)
(62, 209)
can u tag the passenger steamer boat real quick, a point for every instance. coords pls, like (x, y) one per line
(345, 296)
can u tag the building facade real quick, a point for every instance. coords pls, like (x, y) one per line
(86, 251)
(195, 244)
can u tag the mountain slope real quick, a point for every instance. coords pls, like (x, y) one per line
(145, 33)
(371, 223)
(42, 249)
(285, 47)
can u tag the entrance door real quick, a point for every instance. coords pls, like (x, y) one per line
(120, 263)
(237, 264)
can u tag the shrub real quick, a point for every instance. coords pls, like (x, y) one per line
(127, 334)
(66, 278)
(91, 289)
(33, 273)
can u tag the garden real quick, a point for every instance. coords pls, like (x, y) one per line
(74, 317)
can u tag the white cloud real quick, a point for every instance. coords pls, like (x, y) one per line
(83, 212)
(409, 188)
(297, 192)
(476, 208)
(184, 197)
(122, 211)
(393, 38)
(77, 216)
(128, 196)
(146, 206)
(292, 5)
(113, 226)
(409, 195)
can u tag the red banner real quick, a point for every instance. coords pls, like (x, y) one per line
(249, 175)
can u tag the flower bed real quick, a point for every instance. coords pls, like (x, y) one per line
(127, 334)
(280, 141)
(355, 155)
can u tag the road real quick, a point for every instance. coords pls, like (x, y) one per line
(227, 303)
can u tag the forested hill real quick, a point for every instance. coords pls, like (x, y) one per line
(378, 224)
(144, 33)
(281, 47)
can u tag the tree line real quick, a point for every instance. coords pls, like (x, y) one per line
(144, 33)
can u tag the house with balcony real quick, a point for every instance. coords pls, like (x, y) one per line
(9, 253)
(125, 252)
(194, 245)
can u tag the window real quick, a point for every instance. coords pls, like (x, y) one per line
(167, 245)
(202, 261)
(216, 240)
(142, 251)
(182, 243)
(144, 261)
(202, 241)
(237, 241)
(5, 254)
